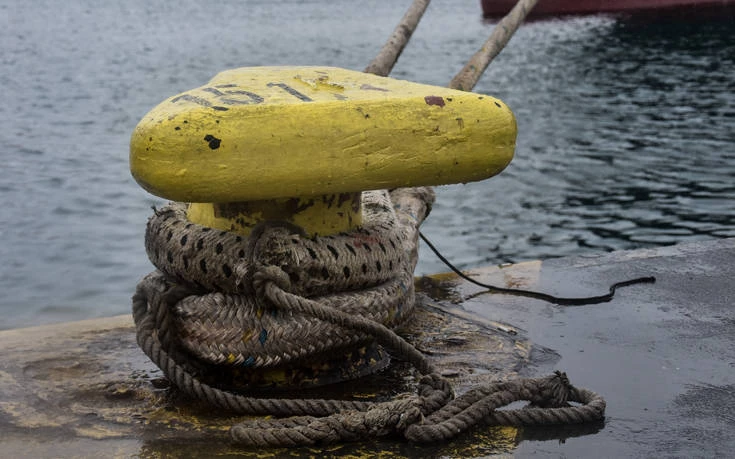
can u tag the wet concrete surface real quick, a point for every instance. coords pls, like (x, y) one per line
(661, 354)
(84, 389)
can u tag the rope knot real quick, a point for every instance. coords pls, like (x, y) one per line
(270, 274)
(557, 391)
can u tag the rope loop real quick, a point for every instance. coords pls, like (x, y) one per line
(548, 397)
(435, 392)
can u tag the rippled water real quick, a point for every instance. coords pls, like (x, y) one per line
(625, 130)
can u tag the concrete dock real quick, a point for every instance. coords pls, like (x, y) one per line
(662, 355)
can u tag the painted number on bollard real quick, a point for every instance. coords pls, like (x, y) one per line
(291, 91)
(224, 95)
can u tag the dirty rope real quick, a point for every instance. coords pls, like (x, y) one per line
(219, 300)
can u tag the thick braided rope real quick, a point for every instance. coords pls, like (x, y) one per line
(162, 303)
(228, 329)
(272, 284)
(370, 272)
(222, 261)
(150, 306)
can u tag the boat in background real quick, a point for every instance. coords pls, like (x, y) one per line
(496, 8)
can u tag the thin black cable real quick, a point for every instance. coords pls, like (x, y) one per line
(538, 295)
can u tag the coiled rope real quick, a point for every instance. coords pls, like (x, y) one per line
(195, 335)
(190, 322)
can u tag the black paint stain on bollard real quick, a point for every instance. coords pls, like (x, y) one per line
(213, 141)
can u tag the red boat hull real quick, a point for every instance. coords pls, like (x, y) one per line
(493, 8)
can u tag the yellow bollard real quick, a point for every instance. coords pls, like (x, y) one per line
(301, 143)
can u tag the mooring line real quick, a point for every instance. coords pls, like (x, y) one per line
(580, 301)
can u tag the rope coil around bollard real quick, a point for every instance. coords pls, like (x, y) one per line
(219, 300)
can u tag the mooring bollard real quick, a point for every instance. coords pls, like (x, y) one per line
(303, 147)
(299, 144)
(317, 180)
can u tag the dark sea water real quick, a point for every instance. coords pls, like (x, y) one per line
(626, 130)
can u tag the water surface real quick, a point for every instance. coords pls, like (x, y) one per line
(625, 130)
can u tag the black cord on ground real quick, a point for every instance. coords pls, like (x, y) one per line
(539, 295)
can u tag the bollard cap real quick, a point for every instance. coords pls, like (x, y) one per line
(273, 132)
